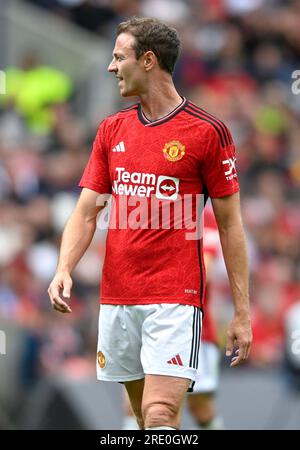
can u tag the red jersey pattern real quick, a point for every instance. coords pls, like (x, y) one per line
(187, 152)
(212, 246)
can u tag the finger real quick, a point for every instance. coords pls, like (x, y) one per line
(236, 361)
(57, 308)
(229, 345)
(67, 289)
(64, 307)
(248, 350)
(55, 298)
(61, 304)
(53, 292)
(243, 348)
(60, 309)
(241, 353)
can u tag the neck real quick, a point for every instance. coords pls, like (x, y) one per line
(160, 99)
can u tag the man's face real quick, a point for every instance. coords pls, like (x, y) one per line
(128, 70)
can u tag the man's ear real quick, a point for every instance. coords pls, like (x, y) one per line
(149, 60)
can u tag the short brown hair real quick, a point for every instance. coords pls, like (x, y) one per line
(151, 34)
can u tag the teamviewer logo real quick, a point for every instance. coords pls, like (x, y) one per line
(2, 83)
(167, 188)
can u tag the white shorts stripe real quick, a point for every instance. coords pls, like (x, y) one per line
(199, 312)
(196, 337)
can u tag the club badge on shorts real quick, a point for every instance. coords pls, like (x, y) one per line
(174, 151)
(101, 360)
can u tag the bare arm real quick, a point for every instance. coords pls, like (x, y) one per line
(77, 236)
(228, 216)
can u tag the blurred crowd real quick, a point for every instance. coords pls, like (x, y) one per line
(237, 62)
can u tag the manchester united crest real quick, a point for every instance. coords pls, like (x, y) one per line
(101, 360)
(174, 151)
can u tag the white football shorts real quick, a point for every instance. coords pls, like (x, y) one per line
(158, 339)
(207, 376)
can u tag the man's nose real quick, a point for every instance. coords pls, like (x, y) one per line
(112, 67)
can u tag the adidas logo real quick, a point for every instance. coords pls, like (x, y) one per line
(175, 360)
(119, 147)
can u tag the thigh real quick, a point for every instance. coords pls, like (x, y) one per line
(201, 400)
(119, 346)
(164, 390)
(202, 406)
(135, 393)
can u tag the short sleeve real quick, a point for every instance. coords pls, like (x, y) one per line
(218, 168)
(96, 174)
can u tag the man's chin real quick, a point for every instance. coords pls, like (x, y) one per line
(125, 93)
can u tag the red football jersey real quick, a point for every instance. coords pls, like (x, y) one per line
(157, 164)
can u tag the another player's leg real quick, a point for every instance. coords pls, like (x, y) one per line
(135, 395)
(129, 420)
(201, 402)
(203, 409)
(162, 400)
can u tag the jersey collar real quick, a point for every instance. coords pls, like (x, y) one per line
(153, 123)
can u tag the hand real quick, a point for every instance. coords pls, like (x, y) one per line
(61, 282)
(239, 335)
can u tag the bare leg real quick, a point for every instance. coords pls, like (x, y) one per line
(135, 394)
(203, 408)
(162, 400)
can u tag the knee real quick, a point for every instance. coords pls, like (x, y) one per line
(204, 417)
(202, 409)
(160, 414)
